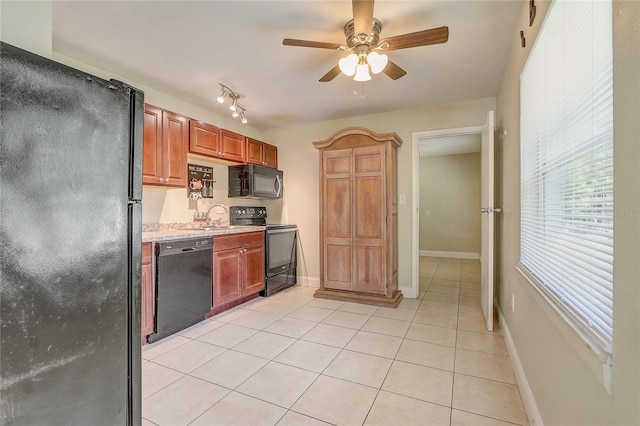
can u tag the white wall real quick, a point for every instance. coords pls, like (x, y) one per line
(27, 25)
(450, 193)
(565, 377)
(299, 159)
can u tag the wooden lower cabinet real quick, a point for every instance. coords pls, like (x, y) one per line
(147, 296)
(226, 276)
(238, 269)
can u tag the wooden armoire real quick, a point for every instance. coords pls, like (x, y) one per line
(359, 217)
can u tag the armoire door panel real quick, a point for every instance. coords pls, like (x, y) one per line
(369, 205)
(366, 162)
(337, 208)
(338, 266)
(369, 269)
(337, 162)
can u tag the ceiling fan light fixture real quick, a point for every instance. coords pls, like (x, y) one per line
(362, 72)
(377, 61)
(348, 65)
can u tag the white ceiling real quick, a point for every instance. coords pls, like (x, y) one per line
(185, 48)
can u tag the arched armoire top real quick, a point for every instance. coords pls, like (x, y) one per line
(356, 135)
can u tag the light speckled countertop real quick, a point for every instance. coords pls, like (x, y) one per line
(178, 231)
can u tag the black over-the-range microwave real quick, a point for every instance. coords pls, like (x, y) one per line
(253, 181)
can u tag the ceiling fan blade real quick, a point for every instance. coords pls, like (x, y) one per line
(393, 70)
(362, 16)
(333, 73)
(308, 43)
(419, 38)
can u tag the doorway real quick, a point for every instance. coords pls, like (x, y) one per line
(445, 136)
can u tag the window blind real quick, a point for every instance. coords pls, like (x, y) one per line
(566, 162)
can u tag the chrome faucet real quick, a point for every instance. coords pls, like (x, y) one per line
(219, 220)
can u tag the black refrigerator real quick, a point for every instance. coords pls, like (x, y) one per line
(70, 245)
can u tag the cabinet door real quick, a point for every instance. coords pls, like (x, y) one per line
(146, 296)
(254, 151)
(204, 139)
(369, 219)
(227, 276)
(232, 146)
(152, 146)
(337, 220)
(253, 269)
(270, 155)
(175, 134)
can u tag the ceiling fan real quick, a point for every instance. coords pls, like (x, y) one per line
(363, 41)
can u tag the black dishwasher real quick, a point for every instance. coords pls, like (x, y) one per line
(183, 284)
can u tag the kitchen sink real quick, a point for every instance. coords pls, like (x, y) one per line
(212, 227)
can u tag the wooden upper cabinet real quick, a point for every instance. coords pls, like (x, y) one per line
(262, 153)
(254, 151)
(358, 212)
(270, 155)
(152, 159)
(232, 146)
(204, 138)
(175, 136)
(165, 148)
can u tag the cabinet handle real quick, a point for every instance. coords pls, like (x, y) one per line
(161, 179)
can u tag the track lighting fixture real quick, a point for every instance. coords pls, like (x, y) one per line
(225, 93)
(234, 105)
(243, 117)
(237, 110)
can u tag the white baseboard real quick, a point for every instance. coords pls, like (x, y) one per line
(528, 400)
(450, 254)
(309, 281)
(407, 292)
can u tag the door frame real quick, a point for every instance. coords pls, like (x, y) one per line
(416, 137)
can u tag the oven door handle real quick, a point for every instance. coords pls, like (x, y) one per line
(281, 231)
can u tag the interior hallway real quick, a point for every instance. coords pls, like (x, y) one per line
(295, 360)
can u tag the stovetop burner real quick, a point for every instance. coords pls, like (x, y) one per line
(252, 216)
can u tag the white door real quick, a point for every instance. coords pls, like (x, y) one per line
(487, 214)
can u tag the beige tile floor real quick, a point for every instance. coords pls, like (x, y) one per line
(291, 359)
